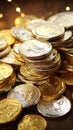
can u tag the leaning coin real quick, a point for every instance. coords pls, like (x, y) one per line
(34, 49)
(53, 88)
(55, 108)
(5, 52)
(10, 109)
(32, 122)
(5, 71)
(27, 94)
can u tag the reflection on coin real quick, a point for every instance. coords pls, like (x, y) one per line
(65, 18)
(5, 71)
(32, 122)
(53, 88)
(27, 94)
(55, 108)
(9, 110)
(34, 49)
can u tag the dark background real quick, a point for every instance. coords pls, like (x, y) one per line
(39, 8)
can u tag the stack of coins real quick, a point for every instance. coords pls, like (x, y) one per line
(4, 47)
(7, 77)
(65, 44)
(41, 60)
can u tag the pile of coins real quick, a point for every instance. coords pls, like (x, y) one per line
(41, 61)
(36, 59)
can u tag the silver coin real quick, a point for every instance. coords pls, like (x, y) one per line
(34, 49)
(27, 94)
(64, 18)
(54, 108)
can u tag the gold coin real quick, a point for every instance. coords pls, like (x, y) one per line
(5, 71)
(6, 34)
(32, 122)
(8, 83)
(53, 88)
(67, 78)
(9, 110)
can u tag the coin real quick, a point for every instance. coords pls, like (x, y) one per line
(21, 34)
(31, 25)
(51, 31)
(3, 43)
(27, 94)
(34, 49)
(10, 109)
(5, 52)
(55, 108)
(8, 83)
(53, 88)
(63, 42)
(32, 122)
(65, 18)
(5, 71)
(6, 34)
(68, 78)
(11, 59)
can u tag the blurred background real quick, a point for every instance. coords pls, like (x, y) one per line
(10, 9)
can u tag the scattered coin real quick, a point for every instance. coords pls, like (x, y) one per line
(32, 122)
(55, 108)
(10, 109)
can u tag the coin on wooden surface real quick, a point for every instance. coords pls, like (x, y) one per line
(55, 108)
(10, 109)
(34, 49)
(3, 43)
(27, 94)
(5, 71)
(51, 31)
(32, 122)
(64, 18)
